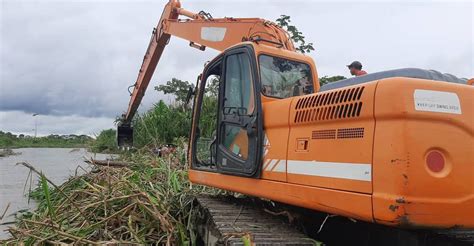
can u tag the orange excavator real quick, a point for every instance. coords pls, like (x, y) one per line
(392, 148)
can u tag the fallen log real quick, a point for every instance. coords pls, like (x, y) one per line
(107, 163)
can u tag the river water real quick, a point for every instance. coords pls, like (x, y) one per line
(58, 164)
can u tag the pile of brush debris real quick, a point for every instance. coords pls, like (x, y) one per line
(146, 200)
(8, 152)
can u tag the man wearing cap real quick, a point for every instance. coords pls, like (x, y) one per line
(356, 68)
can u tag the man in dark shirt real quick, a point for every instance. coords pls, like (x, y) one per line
(356, 69)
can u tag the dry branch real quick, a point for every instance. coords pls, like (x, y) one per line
(107, 163)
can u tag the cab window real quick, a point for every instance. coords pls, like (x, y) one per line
(238, 85)
(239, 102)
(283, 78)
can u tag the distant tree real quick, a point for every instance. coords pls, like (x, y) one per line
(178, 88)
(6, 142)
(10, 135)
(84, 137)
(326, 79)
(295, 34)
(213, 87)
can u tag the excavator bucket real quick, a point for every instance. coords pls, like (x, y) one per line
(124, 136)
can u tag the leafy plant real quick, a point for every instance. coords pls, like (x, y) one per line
(105, 142)
(161, 124)
(326, 79)
(297, 36)
(47, 196)
(178, 88)
(164, 123)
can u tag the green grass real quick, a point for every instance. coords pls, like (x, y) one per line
(47, 196)
(105, 142)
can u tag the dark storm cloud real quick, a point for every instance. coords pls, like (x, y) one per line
(76, 58)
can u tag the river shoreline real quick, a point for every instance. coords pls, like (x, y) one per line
(81, 146)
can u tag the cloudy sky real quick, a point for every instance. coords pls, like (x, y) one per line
(72, 61)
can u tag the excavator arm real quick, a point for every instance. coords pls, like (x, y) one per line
(202, 30)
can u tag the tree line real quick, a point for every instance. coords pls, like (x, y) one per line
(10, 140)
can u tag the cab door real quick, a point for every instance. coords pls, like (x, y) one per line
(239, 128)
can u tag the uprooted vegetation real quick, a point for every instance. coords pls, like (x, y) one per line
(148, 201)
(8, 152)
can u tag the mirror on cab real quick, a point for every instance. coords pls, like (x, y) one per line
(190, 94)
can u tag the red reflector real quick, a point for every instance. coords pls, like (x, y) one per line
(435, 161)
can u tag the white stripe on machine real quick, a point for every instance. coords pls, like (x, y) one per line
(353, 171)
(270, 163)
(280, 167)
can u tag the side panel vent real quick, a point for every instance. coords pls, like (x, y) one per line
(339, 133)
(350, 132)
(329, 105)
(324, 134)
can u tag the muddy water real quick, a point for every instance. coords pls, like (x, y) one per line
(56, 163)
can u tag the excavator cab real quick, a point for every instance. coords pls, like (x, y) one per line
(231, 141)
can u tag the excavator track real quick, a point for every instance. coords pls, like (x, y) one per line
(228, 221)
(461, 235)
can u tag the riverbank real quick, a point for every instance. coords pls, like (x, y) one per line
(40, 144)
(147, 201)
(47, 146)
(9, 140)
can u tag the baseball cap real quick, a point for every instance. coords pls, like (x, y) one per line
(355, 64)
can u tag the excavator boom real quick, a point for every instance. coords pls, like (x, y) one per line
(155, 49)
(202, 30)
